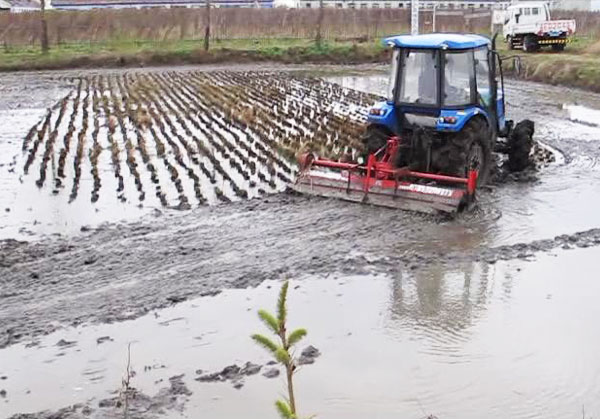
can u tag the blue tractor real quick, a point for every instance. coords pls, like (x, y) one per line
(431, 143)
(446, 104)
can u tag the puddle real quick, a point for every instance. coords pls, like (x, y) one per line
(583, 114)
(513, 340)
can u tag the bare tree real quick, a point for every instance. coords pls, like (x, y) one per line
(207, 30)
(44, 24)
(319, 37)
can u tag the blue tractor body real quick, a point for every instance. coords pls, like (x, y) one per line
(442, 85)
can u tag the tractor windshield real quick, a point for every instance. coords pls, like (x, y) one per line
(419, 81)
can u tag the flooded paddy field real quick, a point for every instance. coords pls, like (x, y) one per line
(148, 207)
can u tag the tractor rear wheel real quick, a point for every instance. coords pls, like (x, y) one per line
(374, 138)
(471, 149)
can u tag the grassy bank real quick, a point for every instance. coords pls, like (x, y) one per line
(139, 53)
(577, 66)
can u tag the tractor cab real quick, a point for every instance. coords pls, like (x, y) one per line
(440, 82)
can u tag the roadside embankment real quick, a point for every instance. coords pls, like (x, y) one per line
(577, 66)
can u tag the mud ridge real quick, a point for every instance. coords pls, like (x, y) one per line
(140, 405)
(199, 247)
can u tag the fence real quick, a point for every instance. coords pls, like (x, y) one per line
(160, 25)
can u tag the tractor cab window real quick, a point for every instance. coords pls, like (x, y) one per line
(418, 81)
(482, 77)
(393, 75)
(458, 73)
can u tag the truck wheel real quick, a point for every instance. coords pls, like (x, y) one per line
(558, 47)
(530, 43)
(471, 149)
(510, 43)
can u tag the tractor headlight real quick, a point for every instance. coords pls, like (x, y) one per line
(451, 120)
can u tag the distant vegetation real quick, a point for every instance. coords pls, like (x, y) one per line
(130, 37)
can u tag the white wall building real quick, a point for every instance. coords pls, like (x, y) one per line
(586, 5)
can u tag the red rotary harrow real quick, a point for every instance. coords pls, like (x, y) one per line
(378, 182)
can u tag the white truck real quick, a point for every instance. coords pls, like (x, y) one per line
(527, 25)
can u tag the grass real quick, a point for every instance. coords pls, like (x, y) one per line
(125, 52)
(577, 66)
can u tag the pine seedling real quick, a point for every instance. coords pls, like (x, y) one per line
(282, 349)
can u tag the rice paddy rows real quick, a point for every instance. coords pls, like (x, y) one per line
(181, 139)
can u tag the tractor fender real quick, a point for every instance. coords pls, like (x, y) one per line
(451, 120)
(383, 114)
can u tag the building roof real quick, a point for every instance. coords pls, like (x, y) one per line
(4, 4)
(109, 3)
(437, 41)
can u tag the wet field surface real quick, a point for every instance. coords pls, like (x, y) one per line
(493, 313)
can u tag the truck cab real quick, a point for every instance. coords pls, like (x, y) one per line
(529, 26)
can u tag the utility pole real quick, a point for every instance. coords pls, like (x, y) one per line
(414, 17)
(319, 37)
(207, 29)
(44, 24)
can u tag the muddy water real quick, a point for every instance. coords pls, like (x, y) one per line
(512, 340)
(489, 314)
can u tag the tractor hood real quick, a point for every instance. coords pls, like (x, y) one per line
(437, 41)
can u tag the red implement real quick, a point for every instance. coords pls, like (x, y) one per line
(379, 183)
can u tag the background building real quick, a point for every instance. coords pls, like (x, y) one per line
(585, 5)
(20, 6)
(144, 4)
(406, 4)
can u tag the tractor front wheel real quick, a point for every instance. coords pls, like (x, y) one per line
(471, 149)
(520, 143)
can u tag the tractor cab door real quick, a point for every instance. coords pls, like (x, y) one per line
(486, 70)
(499, 83)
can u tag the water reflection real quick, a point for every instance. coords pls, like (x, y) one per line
(443, 303)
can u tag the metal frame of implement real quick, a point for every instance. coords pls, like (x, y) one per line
(379, 183)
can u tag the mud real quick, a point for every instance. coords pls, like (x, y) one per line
(139, 405)
(108, 272)
(236, 374)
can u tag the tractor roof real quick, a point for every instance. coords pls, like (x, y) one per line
(437, 41)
